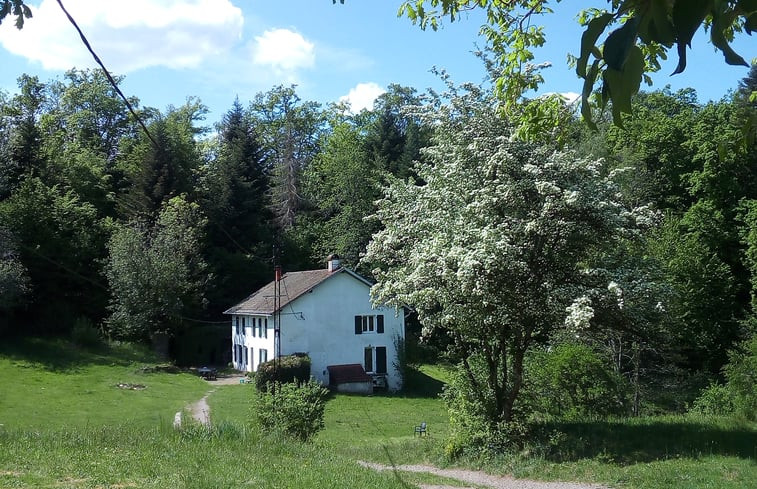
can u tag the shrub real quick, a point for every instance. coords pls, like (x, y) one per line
(716, 399)
(294, 409)
(572, 381)
(739, 395)
(287, 369)
(85, 333)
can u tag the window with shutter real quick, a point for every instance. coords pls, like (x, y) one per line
(358, 324)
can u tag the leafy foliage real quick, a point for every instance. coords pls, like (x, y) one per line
(640, 34)
(571, 380)
(293, 408)
(284, 370)
(14, 282)
(289, 130)
(16, 8)
(235, 184)
(495, 245)
(156, 272)
(85, 334)
(738, 395)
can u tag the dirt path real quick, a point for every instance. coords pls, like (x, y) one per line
(200, 411)
(478, 478)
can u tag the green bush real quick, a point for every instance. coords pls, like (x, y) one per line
(569, 381)
(85, 333)
(716, 399)
(294, 409)
(739, 394)
(572, 381)
(287, 369)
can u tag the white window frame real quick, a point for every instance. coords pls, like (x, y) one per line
(369, 323)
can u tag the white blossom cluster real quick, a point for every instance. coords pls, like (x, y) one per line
(492, 244)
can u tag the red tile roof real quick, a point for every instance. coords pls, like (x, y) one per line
(344, 374)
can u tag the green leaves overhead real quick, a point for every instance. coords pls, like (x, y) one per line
(17, 8)
(622, 84)
(652, 27)
(588, 39)
(648, 30)
(619, 43)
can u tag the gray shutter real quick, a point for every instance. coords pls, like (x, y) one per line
(380, 359)
(380, 323)
(358, 324)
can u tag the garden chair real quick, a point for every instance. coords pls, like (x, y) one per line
(421, 430)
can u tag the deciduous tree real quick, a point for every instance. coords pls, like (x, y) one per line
(497, 242)
(156, 272)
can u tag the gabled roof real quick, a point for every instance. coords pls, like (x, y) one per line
(345, 374)
(293, 285)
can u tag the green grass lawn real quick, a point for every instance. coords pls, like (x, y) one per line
(64, 423)
(52, 384)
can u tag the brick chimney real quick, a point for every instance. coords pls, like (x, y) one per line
(334, 263)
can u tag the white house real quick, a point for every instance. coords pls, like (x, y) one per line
(326, 314)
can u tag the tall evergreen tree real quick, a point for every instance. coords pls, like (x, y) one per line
(237, 203)
(164, 165)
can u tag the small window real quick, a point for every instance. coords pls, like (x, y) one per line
(263, 354)
(260, 327)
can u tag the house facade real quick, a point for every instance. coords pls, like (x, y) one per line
(326, 314)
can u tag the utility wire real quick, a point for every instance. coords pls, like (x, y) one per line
(107, 74)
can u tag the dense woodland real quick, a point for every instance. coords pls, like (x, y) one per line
(103, 224)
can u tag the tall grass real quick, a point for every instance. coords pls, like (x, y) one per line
(161, 457)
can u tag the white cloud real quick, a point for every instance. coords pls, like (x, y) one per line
(127, 35)
(362, 96)
(570, 97)
(283, 50)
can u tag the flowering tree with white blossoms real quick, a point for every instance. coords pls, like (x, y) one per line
(496, 244)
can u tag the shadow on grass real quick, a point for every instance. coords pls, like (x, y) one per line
(60, 355)
(418, 384)
(646, 440)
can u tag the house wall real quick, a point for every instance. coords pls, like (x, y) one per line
(245, 340)
(321, 323)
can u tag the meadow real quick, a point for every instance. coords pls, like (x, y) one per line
(65, 423)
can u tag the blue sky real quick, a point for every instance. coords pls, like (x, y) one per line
(219, 49)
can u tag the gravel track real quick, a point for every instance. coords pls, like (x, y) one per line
(200, 410)
(478, 478)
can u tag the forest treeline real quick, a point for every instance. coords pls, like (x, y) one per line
(141, 234)
(147, 233)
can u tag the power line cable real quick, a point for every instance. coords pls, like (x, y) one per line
(107, 73)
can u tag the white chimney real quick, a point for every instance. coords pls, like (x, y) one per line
(334, 262)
